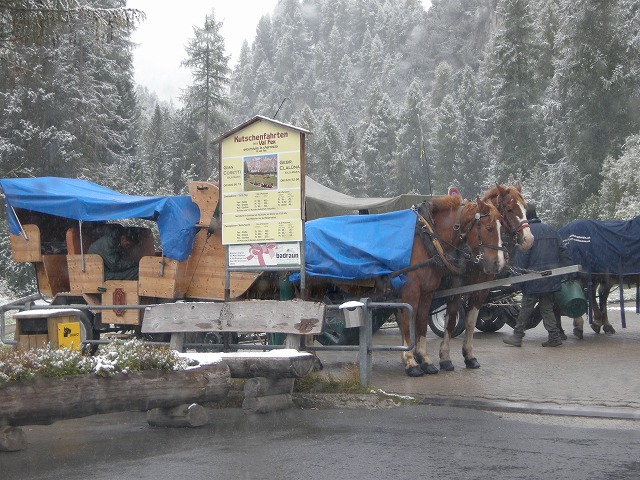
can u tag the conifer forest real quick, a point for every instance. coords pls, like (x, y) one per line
(398, 99)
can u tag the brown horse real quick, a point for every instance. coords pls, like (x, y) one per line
(513, 210)
(449, 235)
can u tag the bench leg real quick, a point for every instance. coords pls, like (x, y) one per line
(177, 342)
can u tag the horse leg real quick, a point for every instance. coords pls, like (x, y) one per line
(476, 300)
(578, 327)
(413, 358)
(596, 324)
(606, 325)
(411, 367)
(452, 316)
(467, 345)
(422, 322)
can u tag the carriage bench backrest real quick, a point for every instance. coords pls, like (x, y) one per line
(266, 316)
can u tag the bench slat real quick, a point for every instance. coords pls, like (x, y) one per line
(269, 316)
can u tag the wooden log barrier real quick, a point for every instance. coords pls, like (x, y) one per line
(12, 439)
(185, 415)
(42, 401)
(264, 395)
(268, 404)
(262, 387)
(285, 366)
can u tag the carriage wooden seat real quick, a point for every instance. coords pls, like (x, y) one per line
(206, 196)
(86, 273)
(72, 238)
(162, 277)
(26, 249)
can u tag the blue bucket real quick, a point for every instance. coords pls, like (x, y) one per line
(571, 299)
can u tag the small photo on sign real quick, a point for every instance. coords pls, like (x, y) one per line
(260, 172)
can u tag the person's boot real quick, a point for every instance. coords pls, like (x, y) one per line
(552, 342)
(514, 340)
(563, 336)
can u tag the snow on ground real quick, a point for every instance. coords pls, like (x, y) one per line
(210, 358)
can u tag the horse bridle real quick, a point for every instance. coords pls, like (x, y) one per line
(476, 222)
(426, 230)
(506, 222)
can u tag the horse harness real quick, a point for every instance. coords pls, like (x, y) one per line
(425, 230)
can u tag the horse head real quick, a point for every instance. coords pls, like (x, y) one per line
(488, 239)
(513, 210)
(478, 227)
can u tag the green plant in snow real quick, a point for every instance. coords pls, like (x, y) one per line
(130, 356)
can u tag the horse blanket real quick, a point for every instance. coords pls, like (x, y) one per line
(355, 247)
(610, 246)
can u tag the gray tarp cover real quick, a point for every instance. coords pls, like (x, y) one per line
(322, 202)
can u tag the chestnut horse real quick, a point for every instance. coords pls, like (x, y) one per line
(513, 210)
(449, 235)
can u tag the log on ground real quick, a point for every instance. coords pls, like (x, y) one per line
(185, 415)
(12, 439)
(272, 403)
(250, 366)
(262, 386)
(42, 401)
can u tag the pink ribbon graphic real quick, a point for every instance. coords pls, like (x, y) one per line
(260, 250)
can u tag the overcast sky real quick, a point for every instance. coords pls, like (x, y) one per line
(162, 37)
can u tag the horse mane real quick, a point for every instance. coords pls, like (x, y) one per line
(446, 202)
(495, 191)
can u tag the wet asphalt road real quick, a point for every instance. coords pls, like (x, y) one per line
(401, 443)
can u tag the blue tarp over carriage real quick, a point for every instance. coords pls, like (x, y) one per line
(86, 201)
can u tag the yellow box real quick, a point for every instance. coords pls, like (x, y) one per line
(69, 336)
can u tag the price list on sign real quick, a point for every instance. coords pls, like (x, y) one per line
(261, 186)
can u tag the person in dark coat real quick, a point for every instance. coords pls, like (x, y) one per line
(547, 252)
(113, 248)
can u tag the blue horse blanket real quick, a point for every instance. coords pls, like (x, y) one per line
(610, 246)
(354, 247)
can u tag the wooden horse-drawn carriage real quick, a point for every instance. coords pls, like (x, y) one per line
(441, 238)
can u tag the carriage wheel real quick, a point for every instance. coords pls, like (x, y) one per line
(87, 332)
(490, 319)
(437, 321)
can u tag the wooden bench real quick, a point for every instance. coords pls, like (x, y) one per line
(271, 375)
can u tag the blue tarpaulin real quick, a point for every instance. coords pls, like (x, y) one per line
(83, 200)
(353, 247)
(610, 246)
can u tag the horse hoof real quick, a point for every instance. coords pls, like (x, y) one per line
(428, 368)
(595, 328)
(414, 372)
(472, 362)
(578, 333)
(609, 329)
(447, 366)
